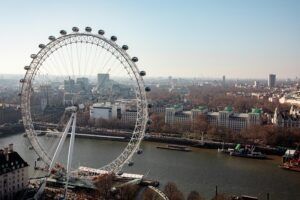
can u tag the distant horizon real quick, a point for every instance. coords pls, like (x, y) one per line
(178, 77)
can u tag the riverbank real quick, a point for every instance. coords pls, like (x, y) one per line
(122, 135)
(11, 128)
(207, 144)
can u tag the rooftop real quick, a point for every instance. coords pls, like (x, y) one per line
(201, 108)
(99, 171)
(228, 109)
(256, 111)
(10, 161)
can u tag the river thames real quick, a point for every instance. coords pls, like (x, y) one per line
(200, 170)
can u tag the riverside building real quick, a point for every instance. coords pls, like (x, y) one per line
(123, 110)
(13, 173)
(9, 114)
(289, 120)
(291, 98)
(225, 118)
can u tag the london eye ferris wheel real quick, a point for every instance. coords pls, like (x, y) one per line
(77, 82)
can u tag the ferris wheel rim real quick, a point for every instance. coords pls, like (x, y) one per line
(142, 113)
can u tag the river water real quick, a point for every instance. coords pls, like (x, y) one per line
(200, 170)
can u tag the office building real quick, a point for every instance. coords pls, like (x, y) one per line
(69, 85)
(103, 79)
(288, 120)
(83, 83)
(225, 118)
(122, 110)
(292, 98)
(272, 80)
(223, 80)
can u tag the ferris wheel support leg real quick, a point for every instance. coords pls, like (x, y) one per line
(61, 142)
(70, 153)
(57, 152)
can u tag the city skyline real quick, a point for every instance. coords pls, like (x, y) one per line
(171, 39)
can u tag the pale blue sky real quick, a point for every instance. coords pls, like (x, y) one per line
(240, 39)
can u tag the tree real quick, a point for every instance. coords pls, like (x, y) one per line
(104, 184)
(150, 195)
(194, 195)
(221, 197)
(158, 121)
(128, 192)
(172, 192)
(200, 124)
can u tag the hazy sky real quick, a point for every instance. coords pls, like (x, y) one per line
(186, 38)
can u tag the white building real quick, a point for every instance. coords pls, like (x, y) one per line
(256, 84)
(101, 110)
(292, 98)
(129, 116)
(13, 173)
(176, 115)
(291, 119)
(122, 110)
(226, 118)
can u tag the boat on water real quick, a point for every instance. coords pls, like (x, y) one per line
(290, 154)
(244, 197)
(175, 147)
(226, 151)
(256, 155)
(292, 166)
(291, 160)
(247, 152)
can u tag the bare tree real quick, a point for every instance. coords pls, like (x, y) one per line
(194, 195)
(150, 195)
(104, 184)
(129, 192)
(200, 125)
(221, 197)
(158, 121)
(172, 192)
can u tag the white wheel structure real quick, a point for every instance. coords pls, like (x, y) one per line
(57, 60)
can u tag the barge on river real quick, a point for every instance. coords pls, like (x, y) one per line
(247, 152)
(291, 160)
(175, 147)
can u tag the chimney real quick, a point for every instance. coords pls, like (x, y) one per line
(6, 153)
(11, 148)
